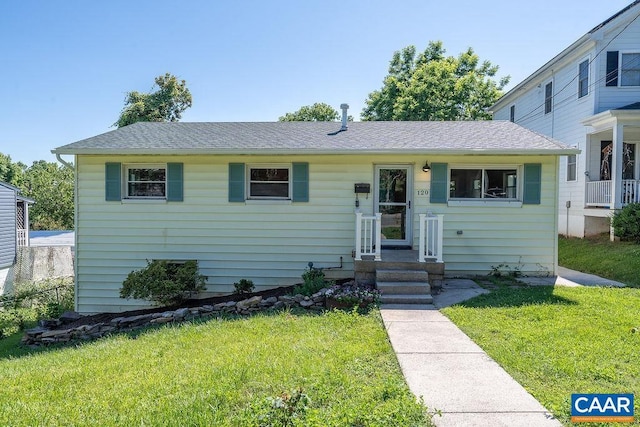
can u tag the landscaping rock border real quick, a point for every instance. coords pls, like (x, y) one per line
(53, 332)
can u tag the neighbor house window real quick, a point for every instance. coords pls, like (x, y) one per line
(583, 78)
(630, 69)
(623, 68)
(571, 167)
(512, 114)
(269, 182)
(548, 97)
(483, 183)
(146, 181)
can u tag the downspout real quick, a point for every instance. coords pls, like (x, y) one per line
(553, 104)
(65, 163)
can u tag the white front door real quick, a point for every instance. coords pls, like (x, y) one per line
(394, 188)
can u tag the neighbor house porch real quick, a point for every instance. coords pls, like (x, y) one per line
(612, 173)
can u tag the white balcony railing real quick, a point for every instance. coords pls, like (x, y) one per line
(431, 231)
(368, 236)
(599, 192)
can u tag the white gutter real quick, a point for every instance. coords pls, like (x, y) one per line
(290, 152)
(61, 160)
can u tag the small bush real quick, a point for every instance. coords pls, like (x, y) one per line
(312, 281)
(626, 222)
(164, 283)
(32, 301)
(244, 286)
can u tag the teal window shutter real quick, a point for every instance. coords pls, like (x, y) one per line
(300, 182)
(175, 182)
(236, 182)
(439, 183)
(112, 182)
(532, 183)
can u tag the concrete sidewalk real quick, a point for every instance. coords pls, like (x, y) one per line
(568, 277)
(453, 374)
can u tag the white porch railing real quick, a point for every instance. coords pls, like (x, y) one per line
(23, 237)
(431, 232)
(368, 236)
(599, 192)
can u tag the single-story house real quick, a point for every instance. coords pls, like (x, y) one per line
(260, 201)
(14, 230)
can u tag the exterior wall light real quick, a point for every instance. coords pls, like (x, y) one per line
(426, 167)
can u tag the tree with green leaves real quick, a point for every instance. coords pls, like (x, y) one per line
(318, 112)
(432, 86)
(10, 172)
(51, 186)
(164, 105)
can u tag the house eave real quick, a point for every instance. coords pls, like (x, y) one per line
(306, 152)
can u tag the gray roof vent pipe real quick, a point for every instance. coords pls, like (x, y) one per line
(344, 108)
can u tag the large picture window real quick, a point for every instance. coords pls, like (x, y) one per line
(146, 181)
(483, 183)
(271, 182)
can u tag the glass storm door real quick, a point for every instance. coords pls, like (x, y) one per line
(393, 201)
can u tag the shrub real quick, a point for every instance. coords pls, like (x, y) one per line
(626, 222)
(163, 282)
(32, 301)
(312, 281)
(244, 286)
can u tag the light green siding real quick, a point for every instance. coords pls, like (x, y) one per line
(271, 242)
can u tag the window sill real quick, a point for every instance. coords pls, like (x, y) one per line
(267, 202)
(488, 203)
(149, 200)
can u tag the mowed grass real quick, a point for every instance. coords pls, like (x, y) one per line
(217, 373)
(597, 255)
(559, 341)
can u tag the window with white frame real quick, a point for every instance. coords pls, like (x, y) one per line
(630, 69)
(548, 97)
(484, 183)
(146, 181)
(583, 78)
(269, 182)
(571, 167)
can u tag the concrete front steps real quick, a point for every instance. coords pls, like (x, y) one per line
(403, 286)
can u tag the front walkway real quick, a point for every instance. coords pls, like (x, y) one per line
(452, 373)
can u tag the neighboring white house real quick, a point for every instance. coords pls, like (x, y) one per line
(14, 230)
(588, 97)
(261, 200)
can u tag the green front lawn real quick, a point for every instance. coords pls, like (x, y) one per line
(234, 372)
(559, 341)
(613, 260)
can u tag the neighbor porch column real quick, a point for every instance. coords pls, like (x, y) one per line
(616, 170)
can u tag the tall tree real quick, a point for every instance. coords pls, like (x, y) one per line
(318, 112)
(10, 172)
(51, 186)
(164, 105)
(432, 86)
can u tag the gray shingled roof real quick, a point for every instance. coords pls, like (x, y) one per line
(318, 138)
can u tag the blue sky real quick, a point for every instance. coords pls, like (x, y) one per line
(67, 65)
